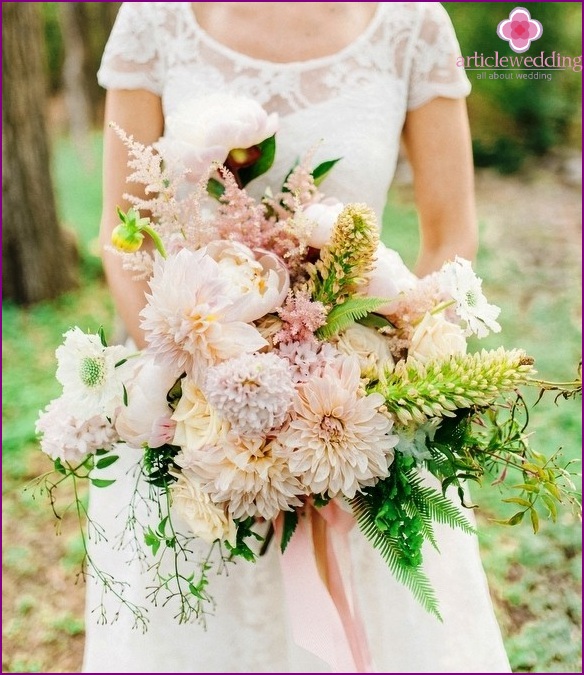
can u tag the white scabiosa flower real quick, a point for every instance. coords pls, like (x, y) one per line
(338, 440)
(253, 392)
(459, 281)
(250, 475)
(92, 383)
(70, 438)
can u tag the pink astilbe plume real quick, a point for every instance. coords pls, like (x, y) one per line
(239, 216)
(174, 209)
(302, 317)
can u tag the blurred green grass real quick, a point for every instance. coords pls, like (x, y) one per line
(535, 580)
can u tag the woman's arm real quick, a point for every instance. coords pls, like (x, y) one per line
(138, 113)
(438, 144)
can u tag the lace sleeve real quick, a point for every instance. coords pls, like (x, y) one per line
(132, 58)
(433, 69)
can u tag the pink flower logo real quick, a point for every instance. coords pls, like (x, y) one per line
(519, 30)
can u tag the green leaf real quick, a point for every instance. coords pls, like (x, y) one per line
(553, 490)
(268, 152)
(517, 500)
(551, 506)
(198, 590)
(162, 526)
(528, 487)
(101, 482)
(101, 334)
(517, 518)
(58, 464)
(290, 523)
(348, 312)
(534, 521)
(152, 540)
(104, 462)
(125, 395)
(215, 188)
(375, 321)
(120, 363)
(320, 172)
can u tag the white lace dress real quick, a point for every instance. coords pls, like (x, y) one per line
(355, 102)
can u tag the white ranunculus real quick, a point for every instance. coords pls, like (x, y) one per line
(389, 278)
(139, 422)
(204, 130)
(369, 345)
(259, 280)
(323, 215)
(436, 338)
(204, 518)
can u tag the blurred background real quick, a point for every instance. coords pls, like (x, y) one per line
(527, 147)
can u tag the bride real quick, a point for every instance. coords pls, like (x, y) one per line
(358, 78)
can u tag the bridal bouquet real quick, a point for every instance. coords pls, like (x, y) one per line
(294, 367)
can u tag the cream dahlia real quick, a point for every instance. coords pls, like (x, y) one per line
(339, 439)
(250, 475)
(188, 319)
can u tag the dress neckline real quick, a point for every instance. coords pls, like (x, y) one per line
(306, 64)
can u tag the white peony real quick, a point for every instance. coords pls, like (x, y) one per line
(191, 318)
(436, 338)
(389, 278)
(368, 345)
(204, 518)
(323, 216)
(206, 129)
(139, 422)
(259, 281)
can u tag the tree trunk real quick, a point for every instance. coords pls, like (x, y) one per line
(38, 257)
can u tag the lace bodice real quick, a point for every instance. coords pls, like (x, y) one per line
(351, 104)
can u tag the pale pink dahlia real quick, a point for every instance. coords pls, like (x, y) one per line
(72, 439)
(252, 392)
(339, 440)
(188, 316)
(250, 474)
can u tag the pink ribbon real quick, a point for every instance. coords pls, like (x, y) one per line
(324, 617)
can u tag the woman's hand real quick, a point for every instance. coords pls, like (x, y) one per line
(438, 144)
(139, 114)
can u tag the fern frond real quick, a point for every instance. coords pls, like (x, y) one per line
(434, 506)
(343, 315)
(411, 577)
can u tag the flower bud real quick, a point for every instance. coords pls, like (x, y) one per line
(127, 238)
